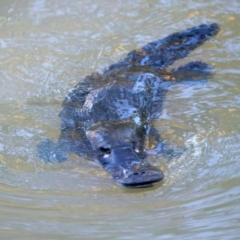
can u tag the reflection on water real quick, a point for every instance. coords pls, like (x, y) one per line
(45, 48)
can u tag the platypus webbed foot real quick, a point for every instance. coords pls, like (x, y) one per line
(48, 152)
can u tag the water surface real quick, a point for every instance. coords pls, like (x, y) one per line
(46, 47)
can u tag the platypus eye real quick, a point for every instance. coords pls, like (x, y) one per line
(135, 147)
(105, 151)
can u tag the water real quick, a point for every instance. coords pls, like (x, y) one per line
(46, 47)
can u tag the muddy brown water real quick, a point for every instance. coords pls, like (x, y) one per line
(46, 47)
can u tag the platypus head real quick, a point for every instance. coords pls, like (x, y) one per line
(119, 148)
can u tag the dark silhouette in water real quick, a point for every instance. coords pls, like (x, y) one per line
(105, 118)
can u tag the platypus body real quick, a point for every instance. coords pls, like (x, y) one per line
(106, 117)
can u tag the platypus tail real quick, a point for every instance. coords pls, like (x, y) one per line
(164, 52)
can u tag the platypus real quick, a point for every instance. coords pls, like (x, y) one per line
(106, 117)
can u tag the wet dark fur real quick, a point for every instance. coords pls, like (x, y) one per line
(130, 93)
